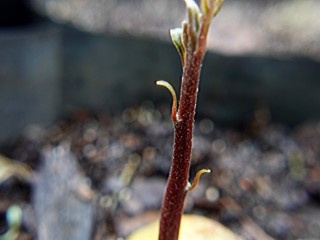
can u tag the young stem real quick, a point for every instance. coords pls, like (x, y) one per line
(191, 44)
(174, 198)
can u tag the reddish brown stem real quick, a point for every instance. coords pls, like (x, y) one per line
(173, 202)
(191, 49)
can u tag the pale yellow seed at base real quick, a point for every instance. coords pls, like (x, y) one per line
(192, 227)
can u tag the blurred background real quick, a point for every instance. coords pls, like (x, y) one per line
(84, 125)
(249, 26)
(57, 56)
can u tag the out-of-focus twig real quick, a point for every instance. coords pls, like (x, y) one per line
(11, 168)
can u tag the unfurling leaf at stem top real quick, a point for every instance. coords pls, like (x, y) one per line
(194, 22)
(194, 15)
(206, 5)
(176, 37)
(217, 7)
(191, 4)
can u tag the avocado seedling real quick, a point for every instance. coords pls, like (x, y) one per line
(190, 41)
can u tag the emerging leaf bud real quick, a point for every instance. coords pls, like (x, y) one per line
(176, 37)
(210, 7)
(204, 7)
(194, 21)
(193, 14)
(217, 6)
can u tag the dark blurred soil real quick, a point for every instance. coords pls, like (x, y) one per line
(103, 176)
